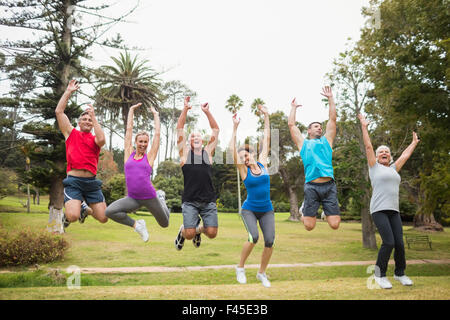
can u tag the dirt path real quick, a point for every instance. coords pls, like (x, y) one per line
(296, 265)
(201, 268)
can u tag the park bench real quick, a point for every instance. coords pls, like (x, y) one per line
(418, 239)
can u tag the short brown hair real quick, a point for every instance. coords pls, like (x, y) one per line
(247, 148)
(309, 126)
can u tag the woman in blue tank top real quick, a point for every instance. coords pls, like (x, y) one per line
(257, 206)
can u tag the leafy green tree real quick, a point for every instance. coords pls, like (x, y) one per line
(51, 56)
(169, 178)
(349, 77)
(409, 68)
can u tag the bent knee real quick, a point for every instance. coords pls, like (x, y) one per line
(189, 234)
(211, 232)
(103, 219)
(253, 239)
(334, 226)
(269, 244)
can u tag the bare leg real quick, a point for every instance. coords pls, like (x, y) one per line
(73, 208)
(99, 209)
(265, 258)
(309, 222)
(246, 250)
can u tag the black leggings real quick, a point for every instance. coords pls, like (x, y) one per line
(389, 225)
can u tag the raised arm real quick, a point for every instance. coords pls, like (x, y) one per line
(232, 148)
(63, 121)
(266, 140)
(407, 153)
(181, 136)
(151, 156)
(370, 154)
(296, 135)
(330, 133)
(211, 146)
(128, 147)
(100, 138)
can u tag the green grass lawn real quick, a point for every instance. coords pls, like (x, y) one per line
(113, 245)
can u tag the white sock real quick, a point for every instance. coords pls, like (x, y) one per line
(197, 229)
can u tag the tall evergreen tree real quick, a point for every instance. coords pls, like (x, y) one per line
(60, 38)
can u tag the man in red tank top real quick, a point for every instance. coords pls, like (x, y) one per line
(82, 153)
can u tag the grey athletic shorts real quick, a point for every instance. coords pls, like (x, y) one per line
(321, 193)
(192, 211)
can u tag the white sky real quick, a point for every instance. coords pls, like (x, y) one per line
(274, 50)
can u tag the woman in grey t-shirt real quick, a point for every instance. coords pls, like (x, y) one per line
(384, 206)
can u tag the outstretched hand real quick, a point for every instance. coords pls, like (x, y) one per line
(363, 120)
(73, 86)
(415, 138)
(236, 120)
(153, 110)
(137, 105)
(294, 104)
(186, 103)
(326, 92)
(205, 107)
(90, 111)
(263, 109)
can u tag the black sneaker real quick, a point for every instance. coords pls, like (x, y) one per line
(65, 222)
(197, 241)
(84, 213)
(179, 241)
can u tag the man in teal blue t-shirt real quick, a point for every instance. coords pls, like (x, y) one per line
(316, 153)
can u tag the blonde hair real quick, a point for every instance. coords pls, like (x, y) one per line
(141, 133)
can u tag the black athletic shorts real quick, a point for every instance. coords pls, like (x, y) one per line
(321, 193)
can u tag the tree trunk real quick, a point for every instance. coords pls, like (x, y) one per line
(426, 222)
(56, 194)
(368, 227)
(293, 201)
(291, 193)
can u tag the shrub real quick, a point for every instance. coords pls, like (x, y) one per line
(23, 248)
(114, 188)
(279, 206)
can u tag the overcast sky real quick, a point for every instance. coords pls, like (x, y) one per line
(274, 50)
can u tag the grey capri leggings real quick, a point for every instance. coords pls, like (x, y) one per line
(266, 223)
(119, 209)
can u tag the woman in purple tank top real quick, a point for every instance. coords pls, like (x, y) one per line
(138, 171)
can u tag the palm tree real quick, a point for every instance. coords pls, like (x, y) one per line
(127, 82)
(255, 104)
(233, 104)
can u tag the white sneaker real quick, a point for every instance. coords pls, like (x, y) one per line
(142, 229)
(404, 280)
(263, 278)
(161, 195)
(240, 275)
(383, 282)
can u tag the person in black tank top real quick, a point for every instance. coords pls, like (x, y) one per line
(199, 197)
